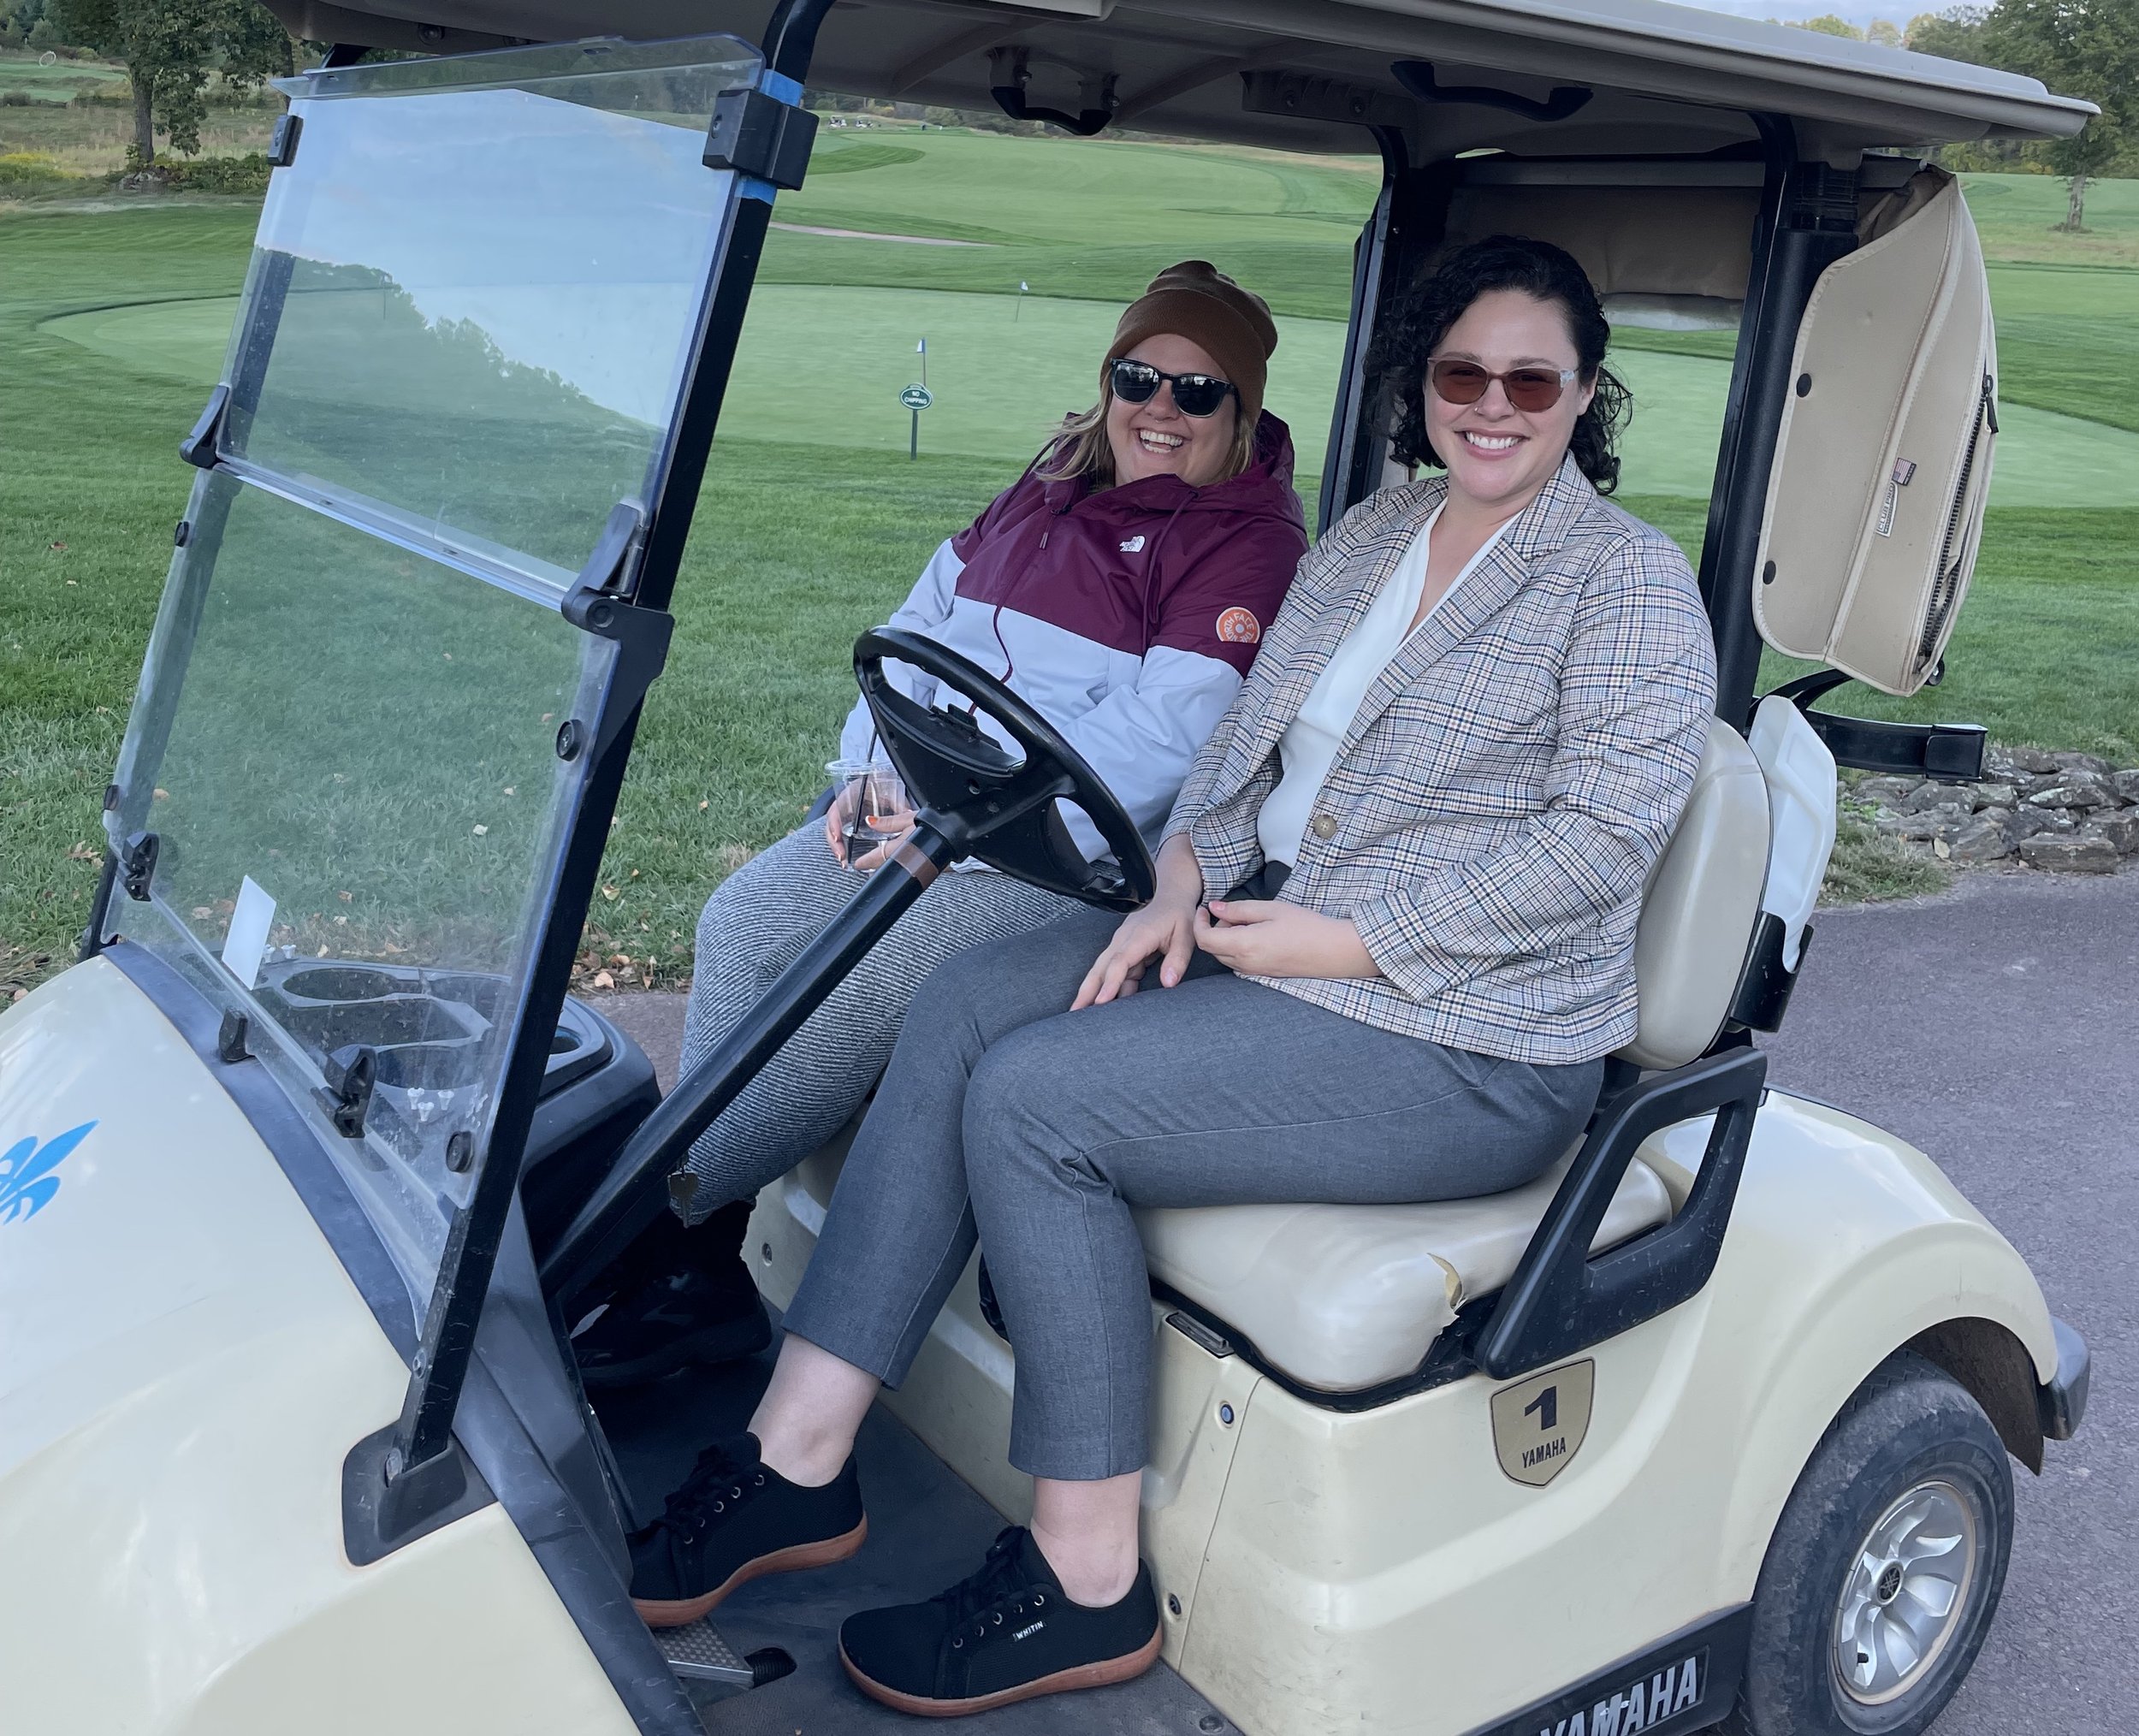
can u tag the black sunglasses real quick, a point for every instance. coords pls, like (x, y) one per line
(1195, 394)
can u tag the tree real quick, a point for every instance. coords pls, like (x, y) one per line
(1829, 25)
(1886, 34)
(1955, 35)
(2079, 47)
(169, 48)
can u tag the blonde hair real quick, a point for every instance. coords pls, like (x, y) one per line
(1080, 447)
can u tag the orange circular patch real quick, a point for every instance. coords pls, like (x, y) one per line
(1238, 627)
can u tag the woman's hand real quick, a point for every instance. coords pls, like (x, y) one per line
(1267, 937)
(891, 828)
(1164, 929)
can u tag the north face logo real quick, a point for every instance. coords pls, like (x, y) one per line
(1134, 545)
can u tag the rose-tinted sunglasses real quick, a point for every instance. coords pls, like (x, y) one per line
(1529, 389)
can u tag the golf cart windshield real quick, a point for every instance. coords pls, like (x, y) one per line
(367, 718)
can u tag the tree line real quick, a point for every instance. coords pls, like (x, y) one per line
(2077, 48)
(171, 49)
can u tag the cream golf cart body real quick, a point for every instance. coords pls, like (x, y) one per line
(298, 1163)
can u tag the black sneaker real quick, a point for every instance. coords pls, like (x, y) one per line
(696, 1303)
(735, 1519)
(1008, 1633)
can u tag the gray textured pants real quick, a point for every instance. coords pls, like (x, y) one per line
(755, 924)
(1005, 1115)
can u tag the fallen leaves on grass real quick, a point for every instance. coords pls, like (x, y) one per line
(22, 970)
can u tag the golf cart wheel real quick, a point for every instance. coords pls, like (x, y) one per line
(1885, 1569)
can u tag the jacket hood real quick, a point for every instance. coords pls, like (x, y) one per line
(1263, 490)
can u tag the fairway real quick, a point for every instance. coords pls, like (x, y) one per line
(822, 364)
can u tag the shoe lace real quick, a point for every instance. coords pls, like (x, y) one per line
(978, 1605)
(726, 1475)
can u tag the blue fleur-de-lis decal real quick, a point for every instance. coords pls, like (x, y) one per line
(27, 1181)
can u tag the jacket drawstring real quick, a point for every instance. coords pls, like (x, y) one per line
(995, 620)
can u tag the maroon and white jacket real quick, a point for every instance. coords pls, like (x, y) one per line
(1127, 617)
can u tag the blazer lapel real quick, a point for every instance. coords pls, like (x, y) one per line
(1375, 558)
(1538, 531)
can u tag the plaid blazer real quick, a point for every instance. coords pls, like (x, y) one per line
(1510, 779)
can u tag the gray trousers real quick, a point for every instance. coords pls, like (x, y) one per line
(1006, 1115)
(755, 925)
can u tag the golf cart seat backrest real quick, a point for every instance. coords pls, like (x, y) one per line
(1345, 1297)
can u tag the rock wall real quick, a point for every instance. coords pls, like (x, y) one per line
(2067, 813)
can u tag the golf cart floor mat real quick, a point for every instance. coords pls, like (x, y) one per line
(928, 1529)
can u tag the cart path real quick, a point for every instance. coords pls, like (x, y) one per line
(1997, 1027)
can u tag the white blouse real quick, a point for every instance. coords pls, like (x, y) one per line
(1311, 742)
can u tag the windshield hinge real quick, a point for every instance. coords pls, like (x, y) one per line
(230, 1037)
(282, 150)
(613, 569)
(350, 1073)
(137, 867)
(199, 447)
(762, 132)
(599, 603)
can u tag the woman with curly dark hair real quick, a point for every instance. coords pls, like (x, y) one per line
(1392, 943)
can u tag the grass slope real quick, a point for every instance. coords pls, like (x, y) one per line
(1080, 218)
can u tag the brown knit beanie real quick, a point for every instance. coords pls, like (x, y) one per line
(1196, 300)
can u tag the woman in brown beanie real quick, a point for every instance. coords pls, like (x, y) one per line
(1119, 586)
(1194, 332)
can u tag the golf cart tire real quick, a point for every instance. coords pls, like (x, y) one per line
(1909, 1424)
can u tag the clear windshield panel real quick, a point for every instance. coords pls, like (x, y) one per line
(474, 293)
(348, 753)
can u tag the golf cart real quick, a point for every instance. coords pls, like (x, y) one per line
(305, 1167)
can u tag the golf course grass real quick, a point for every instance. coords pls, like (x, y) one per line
(112, 322)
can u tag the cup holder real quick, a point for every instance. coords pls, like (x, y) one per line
(428, 1066)
(432, 1029)
(378, 1024)
(484, 996)
(342, 982)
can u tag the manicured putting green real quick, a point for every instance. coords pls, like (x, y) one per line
(823, 364)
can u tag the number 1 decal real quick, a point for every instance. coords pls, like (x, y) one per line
(1539, 1423)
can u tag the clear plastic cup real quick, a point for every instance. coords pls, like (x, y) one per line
(867, 791)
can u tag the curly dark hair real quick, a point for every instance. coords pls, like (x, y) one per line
(1415, 327)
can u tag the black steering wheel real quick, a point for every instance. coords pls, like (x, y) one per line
(994, 807)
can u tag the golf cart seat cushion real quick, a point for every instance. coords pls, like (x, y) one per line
(1342, 1298)
(1703, 902)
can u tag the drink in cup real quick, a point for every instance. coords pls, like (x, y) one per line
(869, 790)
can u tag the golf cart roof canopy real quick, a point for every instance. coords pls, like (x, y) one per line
(1312, 75)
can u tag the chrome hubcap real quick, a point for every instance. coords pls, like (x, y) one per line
(1904, 1595)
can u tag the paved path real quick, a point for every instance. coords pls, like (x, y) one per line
(1997, 1028)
